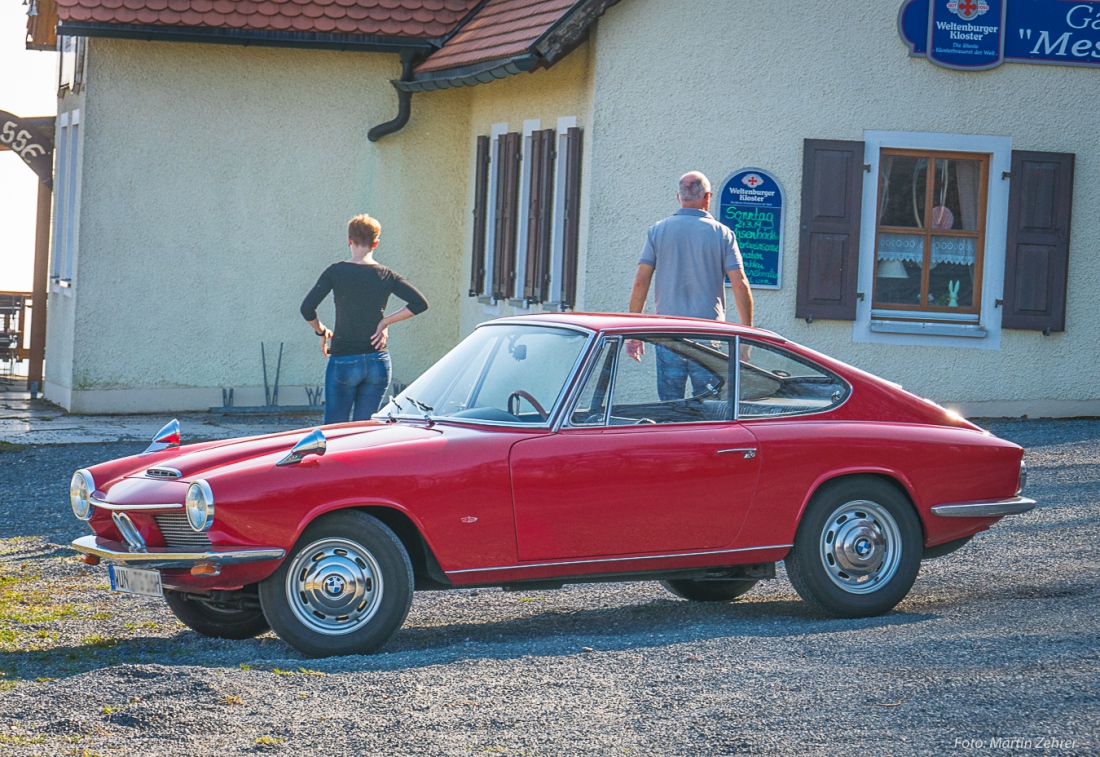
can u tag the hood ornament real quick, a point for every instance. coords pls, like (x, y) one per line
(166, 438)
(313, 443)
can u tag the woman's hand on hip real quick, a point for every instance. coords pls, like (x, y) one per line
(381, 335)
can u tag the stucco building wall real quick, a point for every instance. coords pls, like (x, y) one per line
(756, 80)
(217, 182)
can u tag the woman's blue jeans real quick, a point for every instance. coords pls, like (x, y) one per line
(355, 380)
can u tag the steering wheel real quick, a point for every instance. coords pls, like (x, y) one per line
(519, 393)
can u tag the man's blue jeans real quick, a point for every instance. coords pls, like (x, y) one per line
(358, 380)
(673, 371)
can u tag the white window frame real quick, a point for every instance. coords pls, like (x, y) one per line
(986, 333)
(66, 203)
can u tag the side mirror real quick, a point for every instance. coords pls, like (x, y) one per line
(313, 443)
(166, 438)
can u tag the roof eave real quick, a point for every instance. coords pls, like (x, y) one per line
(551, 46)
(468, 76)
(248, 37)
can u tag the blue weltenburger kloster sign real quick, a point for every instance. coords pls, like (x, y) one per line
(978, 34)
(750, 202)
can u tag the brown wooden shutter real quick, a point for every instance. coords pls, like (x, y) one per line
(572, 213)
(828, 245)
(1040, 201)
(481, 196)
(504, 241)
(536, 282)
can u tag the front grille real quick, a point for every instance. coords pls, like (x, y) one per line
(178, 534)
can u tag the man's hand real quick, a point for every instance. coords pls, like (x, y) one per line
(325, 336)
(380, 336)
(635, 349)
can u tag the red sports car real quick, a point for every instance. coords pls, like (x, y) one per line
(551, 449)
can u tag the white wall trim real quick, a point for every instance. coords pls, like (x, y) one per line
(996, 228)
(1027, 408)
(168, 399)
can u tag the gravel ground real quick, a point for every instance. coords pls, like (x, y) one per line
(994, 650)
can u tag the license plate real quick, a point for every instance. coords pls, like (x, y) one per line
(134, 581)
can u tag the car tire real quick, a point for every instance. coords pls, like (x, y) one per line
(345, 588)
(211, 619)
(708, 591)
(857, 550)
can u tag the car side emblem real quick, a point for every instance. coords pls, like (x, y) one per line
(468, 519)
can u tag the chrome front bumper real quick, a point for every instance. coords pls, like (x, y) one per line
(118, 553)
(992, 509)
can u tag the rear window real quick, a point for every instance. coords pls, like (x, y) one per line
(775, 382)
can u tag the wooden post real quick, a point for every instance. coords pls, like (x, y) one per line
(40, 288)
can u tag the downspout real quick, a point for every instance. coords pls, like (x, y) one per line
(404, 102)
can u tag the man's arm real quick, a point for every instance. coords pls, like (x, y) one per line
(742, 295)
(640, 290)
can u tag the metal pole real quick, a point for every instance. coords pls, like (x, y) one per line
(39, 288)
(263, 359)
(278, 366)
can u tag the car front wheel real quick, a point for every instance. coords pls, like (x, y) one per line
(345, 588)
(857, 550)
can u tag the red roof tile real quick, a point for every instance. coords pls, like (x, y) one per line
(501, 29)
(426, 19)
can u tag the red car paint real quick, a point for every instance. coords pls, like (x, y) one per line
(500, 504)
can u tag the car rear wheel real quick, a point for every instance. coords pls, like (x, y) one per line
(708, 591)
(213, 619)
(857, 550)
(345, 588)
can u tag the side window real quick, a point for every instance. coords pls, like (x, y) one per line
(591, 407)
(667, 379)
(776, 382)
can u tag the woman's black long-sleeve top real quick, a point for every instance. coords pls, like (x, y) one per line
(360, 292)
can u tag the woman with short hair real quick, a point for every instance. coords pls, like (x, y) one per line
(358, 363)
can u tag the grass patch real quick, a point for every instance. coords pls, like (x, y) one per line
(99, 642)
(231, 699)
(11, 446)
(266, 740)
(17, 739)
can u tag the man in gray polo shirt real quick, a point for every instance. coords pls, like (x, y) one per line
(688, 255)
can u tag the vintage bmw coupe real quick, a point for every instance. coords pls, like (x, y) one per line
(552, 449)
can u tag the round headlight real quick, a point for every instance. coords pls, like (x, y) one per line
(199, 506)
(80, 494)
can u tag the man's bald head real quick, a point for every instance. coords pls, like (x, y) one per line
(693, 190)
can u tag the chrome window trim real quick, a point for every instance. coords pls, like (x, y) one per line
(556, 411)
(795, 414)
(735, 400)
(597, 560)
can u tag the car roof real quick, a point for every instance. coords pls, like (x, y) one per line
(637, 321)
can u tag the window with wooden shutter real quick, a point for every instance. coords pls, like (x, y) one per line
(572, 215)
(536, 284)
(930, 235)
(1037, 256)
(828, 250)
(481, 198)
(507, 201)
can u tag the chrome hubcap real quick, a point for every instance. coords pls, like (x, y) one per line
(334, 586)
(860, 546)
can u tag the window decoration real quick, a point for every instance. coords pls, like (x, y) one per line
(929, 234)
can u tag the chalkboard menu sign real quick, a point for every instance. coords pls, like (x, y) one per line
(750, 202)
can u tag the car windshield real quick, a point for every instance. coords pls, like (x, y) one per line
(507, 373)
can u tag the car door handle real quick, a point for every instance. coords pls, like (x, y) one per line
(748, 452)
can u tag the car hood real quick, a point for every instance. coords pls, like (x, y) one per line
(266, 450)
